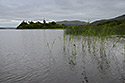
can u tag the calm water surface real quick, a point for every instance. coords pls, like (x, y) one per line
(51, 56)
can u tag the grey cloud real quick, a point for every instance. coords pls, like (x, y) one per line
(58, 10)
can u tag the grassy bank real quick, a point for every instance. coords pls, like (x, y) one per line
(97, 31)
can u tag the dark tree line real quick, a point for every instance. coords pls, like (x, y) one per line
(39, 25)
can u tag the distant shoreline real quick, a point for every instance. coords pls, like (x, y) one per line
(7, 28)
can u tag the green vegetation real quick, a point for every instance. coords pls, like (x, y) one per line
(97, 31)
(39, 25)
(114, 26)
(101, 29)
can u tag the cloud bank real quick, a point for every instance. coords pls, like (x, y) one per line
(12, 12)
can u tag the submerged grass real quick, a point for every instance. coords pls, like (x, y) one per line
(51, 46)
(114, 45)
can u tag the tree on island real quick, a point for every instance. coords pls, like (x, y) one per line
(44, 21)
(53, 23)
(23, 24)
(30, 22)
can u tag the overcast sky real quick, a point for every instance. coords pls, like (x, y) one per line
(12, 12)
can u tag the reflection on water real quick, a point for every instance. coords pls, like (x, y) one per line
(50, 56)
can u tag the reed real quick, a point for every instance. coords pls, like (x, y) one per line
(90, 31)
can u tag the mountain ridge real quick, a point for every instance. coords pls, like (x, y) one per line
(118, 18)
(78, 22)
(73, 22)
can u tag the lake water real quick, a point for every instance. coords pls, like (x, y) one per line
(51, 56)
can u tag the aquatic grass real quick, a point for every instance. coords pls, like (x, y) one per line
(70, 38)
(89, 31)
(114, 45)
(51, 47)
(48, 45)
(53, 42)
(95, 31)
(74, 51)
(99, 49)
(124, 49)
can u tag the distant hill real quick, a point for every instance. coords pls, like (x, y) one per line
(7, 27)
(2, 28)
(75, 22)
(119, 18)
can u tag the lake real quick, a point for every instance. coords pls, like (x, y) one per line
(51, 56)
